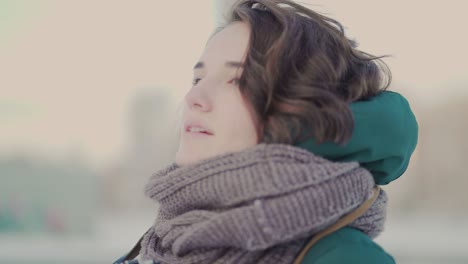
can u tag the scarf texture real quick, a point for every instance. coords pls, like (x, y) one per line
(259, 205)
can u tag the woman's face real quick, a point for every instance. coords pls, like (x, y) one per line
(215, 118)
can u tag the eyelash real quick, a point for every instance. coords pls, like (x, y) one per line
(194, 82)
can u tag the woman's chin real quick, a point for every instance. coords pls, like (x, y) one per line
(184, 159)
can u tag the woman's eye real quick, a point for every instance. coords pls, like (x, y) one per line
(196, 81)
(234, 81)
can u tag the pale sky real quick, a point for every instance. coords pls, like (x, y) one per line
(69, 69)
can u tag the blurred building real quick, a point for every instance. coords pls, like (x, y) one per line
(47, 196)
(152, 144)
(441, 175)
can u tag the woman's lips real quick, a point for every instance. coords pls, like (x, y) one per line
(198, 133)
(196, 128)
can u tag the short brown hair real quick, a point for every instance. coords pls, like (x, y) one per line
(301, 72)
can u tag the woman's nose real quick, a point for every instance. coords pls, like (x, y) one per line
(198, 99)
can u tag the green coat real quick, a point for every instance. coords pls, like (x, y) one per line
(349, 246)
(384, 138)
(345, 246)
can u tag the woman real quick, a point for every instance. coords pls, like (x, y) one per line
(286, 130)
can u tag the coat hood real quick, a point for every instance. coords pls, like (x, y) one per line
(384, 137)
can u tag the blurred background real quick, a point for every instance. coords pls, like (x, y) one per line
(90, 93)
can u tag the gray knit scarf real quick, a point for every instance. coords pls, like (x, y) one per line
(260, 205)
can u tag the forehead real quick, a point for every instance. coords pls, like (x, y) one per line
(230, 44)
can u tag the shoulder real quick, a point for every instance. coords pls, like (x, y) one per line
(347, 245)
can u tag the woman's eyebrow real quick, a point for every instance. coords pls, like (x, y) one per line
(230, 64)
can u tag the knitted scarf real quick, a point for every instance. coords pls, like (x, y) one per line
(259, 205)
